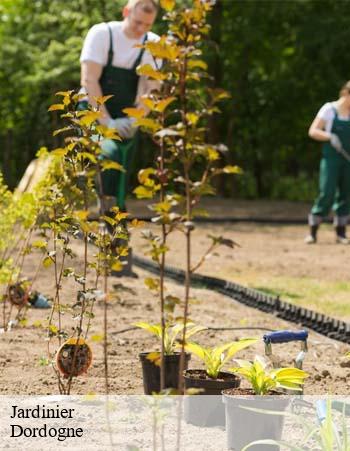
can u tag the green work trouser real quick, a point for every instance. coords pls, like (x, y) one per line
(114, 182)
(334, 187)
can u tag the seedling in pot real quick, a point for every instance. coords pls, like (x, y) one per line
(265, 380)
(171, 333)
(151, 361)
(215, 358)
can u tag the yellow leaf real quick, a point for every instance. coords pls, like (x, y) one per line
(103, 99)
(163, 49)
(121, 215)
(108, 164)
(59, 152)
(152, 284)
(168, 5)
(197, 63)
(82, 214)
(136, 223)
(117, 266)
(88, 156)
(192, 118)
(47, 262)
(39, 244)
(135, 112)
(143, 193)
(148, 103)
(232, 170)
(89, 118)
(154, 357)
(107, 133)
(61, 130)
(63, 93)
(163, 104)
(144, 174)
(151, 124)
(213, 154)
(97, 338)
(148, 71)
(56, 107)
(53, 329)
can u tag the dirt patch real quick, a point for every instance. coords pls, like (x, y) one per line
(262, 249)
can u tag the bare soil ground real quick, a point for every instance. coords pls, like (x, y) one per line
(266, 251)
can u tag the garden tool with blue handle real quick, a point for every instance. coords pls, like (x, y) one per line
(286, 336)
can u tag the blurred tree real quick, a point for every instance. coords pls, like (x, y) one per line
(280, 60)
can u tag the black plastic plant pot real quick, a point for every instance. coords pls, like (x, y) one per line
(246, 426)
(207, 409)
(151, 372)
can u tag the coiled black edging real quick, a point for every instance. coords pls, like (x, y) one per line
(323, 324)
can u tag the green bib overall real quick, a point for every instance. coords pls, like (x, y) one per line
(334, 183)
(122, 84)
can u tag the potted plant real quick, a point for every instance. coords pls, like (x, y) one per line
(209, 411)
(151, 360)
(330, 434)
(244, 406)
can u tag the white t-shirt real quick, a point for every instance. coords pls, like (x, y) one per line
(327, 113)
(96, 47)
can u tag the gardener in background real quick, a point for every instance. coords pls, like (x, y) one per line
(109, 59)
(332, 127)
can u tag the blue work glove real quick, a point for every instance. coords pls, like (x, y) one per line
(123, 126)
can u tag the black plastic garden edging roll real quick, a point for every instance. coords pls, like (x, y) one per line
(324, 325)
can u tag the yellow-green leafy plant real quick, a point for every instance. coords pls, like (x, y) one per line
(171, 333)
(66, 213)
(18, 213)
(215, 358)
(176, 116)
(263, 379)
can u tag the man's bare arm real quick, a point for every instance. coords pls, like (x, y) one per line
(90, 76)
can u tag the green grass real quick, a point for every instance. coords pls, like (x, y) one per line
(324, 296)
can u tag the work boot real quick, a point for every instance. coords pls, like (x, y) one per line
(341, 235)
(312, 237)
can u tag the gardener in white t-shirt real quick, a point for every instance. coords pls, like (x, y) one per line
(332, 126)
(109, 59)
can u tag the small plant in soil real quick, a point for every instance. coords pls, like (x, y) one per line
(241, 413)
(171, 334)
(264, 380)
(216, 358)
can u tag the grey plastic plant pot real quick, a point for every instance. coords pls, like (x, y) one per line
(151, 372)
(206, 408)
(246, 426)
